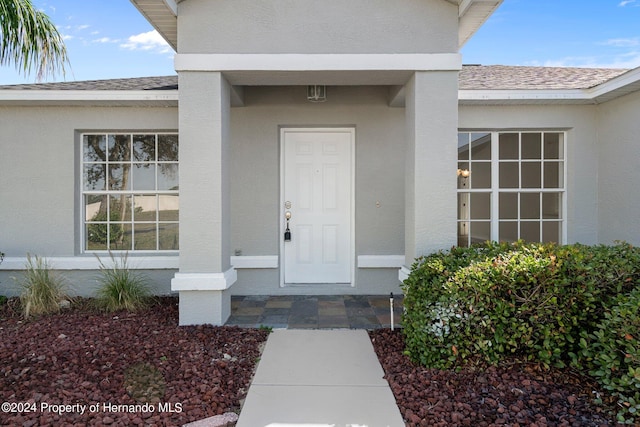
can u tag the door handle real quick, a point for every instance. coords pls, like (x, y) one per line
(287, 232)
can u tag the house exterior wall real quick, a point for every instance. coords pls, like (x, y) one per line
(619, 151)
(255, 179)
(50, 136)
(39, 172)
(310, 26)
(431, 118)
(581, 125)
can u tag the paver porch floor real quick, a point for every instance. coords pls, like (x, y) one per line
(315, 312)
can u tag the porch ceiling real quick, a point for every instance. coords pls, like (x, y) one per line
(163, 15)
(329, 78)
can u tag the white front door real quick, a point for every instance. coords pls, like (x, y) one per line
(317, 191)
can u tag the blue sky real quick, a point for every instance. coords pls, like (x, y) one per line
(559, 33)
(111, 39)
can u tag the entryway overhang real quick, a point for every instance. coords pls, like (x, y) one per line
(325, 69)
(393, 70)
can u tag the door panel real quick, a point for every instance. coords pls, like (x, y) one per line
(317, 181)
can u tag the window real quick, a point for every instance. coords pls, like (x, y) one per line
(130, 192)
(511, 185)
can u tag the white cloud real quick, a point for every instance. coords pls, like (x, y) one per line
(151, 41)
(72, 28)
(66, 37)
(106, 40)
(633, 42)
(623, 3)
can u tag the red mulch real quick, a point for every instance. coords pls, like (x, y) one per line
(86, 357)
(516, 394)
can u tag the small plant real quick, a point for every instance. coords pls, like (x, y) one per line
(145, 383)
(1, 257)
(120, 287)
(42, 289)
(3, 299)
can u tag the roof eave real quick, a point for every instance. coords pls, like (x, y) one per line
(163, 15)
(621, 85)
(472, 14)
(163, 98)
(520, 97)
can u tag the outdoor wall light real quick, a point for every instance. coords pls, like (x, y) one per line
(316, 93)
(464, 173)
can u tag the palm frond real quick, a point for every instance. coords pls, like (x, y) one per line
(30, 40)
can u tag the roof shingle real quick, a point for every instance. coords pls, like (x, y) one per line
(501, 77)
(472, 77)
(141, 83)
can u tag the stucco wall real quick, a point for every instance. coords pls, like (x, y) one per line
(619, 150)
(255, 175)
(311, 26)
(580, 122)
(39, 170)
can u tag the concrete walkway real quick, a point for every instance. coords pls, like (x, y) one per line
(319, 378)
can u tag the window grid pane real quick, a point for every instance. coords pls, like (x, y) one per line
(474, 217)
(528, 192)
(130, 186)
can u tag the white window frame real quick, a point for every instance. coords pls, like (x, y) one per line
(131, 192)
(495, 189)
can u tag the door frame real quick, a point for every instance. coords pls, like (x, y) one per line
(281, 210)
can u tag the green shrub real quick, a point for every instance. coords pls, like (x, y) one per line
(120, 287)
(42, 289)
(613, 353)
(556, 305)
(529, 300)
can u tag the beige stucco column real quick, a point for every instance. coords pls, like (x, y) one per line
(205, 271)
(431, 111)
